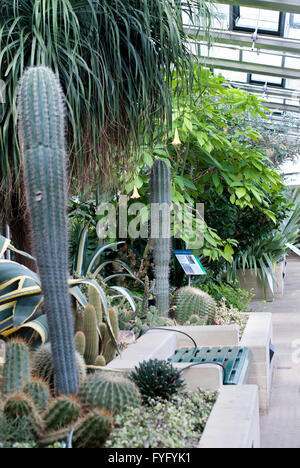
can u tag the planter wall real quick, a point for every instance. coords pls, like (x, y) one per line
(234, 420)
(162, 344)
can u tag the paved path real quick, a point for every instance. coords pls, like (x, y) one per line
(281, 427)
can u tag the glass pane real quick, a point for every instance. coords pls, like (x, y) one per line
(266, 79)
(232, 75)
(257, 18)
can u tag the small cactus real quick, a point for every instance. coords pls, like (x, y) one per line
(42, 365)
(189, 302)
(18, 406)
(92, 430)
(80, 342)
(91, 335)
(17, 368)
(62, 412)
(95, 300)
(111, 391)
(100, 361)
(39, 391)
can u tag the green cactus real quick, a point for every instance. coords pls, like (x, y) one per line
(95, 300)
(80, 342)
(39, 391)
(41, 116)
(42, 365)
(100, 361)
(18, 406)
(17, 367)
(91, 335)
(62, 412)
(110, 391)
(189, 302)
(160, 232)
(92, 430)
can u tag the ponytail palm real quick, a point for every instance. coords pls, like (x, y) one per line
(115, 60)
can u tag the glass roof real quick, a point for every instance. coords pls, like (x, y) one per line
(257, 50)
(251, 37)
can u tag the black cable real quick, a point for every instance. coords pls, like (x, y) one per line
(172, 330)
(195, 346)
(202, 364)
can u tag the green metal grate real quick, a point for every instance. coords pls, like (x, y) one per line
(235, 361)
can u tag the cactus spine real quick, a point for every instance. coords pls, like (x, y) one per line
(63, 411)
(39, 391)
(42, 366)
(42, 136)
(160, 232)
(191, 302)
(110, 391)
(17, 368)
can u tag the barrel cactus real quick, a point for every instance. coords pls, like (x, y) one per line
(63, 411)
(161, 232)
(111, 391)
(17, 367)
(189, 302)
(41, 116)
(42, 366)
(39, 392)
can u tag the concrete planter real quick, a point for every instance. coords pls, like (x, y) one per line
(251, 282)
(160, 344)
(234, 420)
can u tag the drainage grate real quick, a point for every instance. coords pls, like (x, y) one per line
(236, 361)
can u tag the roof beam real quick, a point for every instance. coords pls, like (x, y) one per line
(282, 107)
(291, 46)
(269, 91)
(288, 6)
(246, 67)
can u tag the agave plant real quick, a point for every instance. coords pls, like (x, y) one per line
(263, 255)
(21, 297)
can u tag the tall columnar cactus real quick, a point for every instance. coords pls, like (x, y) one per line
(42, 138)
(160, 231)
(17, 367)
(190, 302)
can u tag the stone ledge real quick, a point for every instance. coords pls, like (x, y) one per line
(234, 420)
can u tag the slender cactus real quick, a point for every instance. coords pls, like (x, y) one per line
(41, 115)
(160, 232)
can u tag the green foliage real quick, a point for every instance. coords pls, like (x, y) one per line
(42, 137)
(157, 379)
(17, 367)
(189, 301)
(178, 423)
(110, 391)
(220, 290)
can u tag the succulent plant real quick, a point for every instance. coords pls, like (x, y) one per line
(18, 406)
(157, 379)
(41, 116)
(189, 303)
(161, 239)
(39, 392)
(91, 335)
(62, 412)
(17, 367)
(42, 365)
(109, 390)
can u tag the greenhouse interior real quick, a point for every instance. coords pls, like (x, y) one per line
(149, 226)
